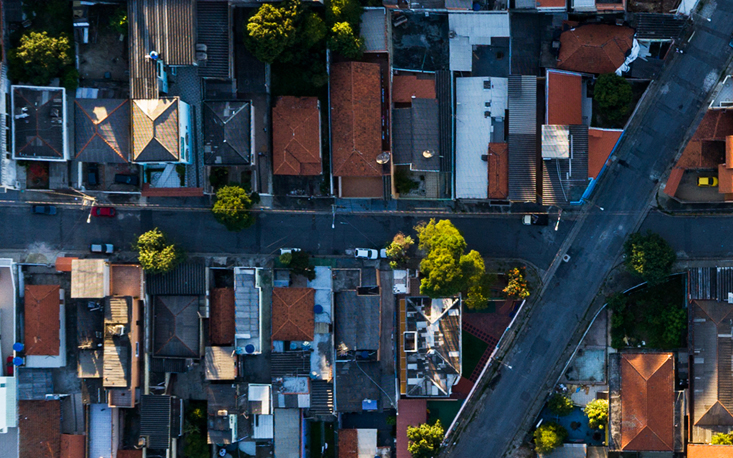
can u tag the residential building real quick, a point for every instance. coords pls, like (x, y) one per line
(39, 123)
(645, 411)
(247, 311)
(90, 279)
(376, 30)
(8, 379)
(221, 317)
(259, 401)
(162, 132)
(358, 443)
(102, 130)
(601, 143)
(522, 139)
(600, 6)
(40, 429)
(481, 106)
(708, 451)
(214, 40)
(287, 440)
(122, 350)
(45, 326)
(410, 412)
(176, 327)
(74, 446)
(229, 133)
(469, 31)
(104, 431)
(161, 422)
(429, 346)
(296, 136)
(356, 115)
(293, 314)
(711, 401)
(220, 363)
(594, 48)
(226, 408)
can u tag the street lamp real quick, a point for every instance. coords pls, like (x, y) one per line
(557, 224)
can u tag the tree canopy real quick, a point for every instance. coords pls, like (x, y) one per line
(424, 440)
(231, 208)
(344, 11)
(614, 96)
(344, 42)
(649, 256)
(155, 254)
(397, 250)
(39, 57)
(560, 404)
(271, 30)
(548, 437)
(516, 284)
(597, 413)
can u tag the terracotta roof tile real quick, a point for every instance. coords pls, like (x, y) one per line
(411, 412)
(221, 317)
(64, 264)
(673, 182)
(73, 446)
(356, 136)
(129, 454)
(725, 179)
(709, 451)
(594, 48)
(647, 401)
(551, 4)
(348, 443)
(564, 93)
(498, 167)
(42, 323)
(40, 429)
(407, 86)
(600, 145)
(292, 313)
(296, 136)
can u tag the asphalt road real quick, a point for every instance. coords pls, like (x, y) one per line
(497, 420)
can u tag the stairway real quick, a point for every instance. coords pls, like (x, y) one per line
(321, 398)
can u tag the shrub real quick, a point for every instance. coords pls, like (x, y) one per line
(722, 439)
(549, 436)
(614, 96)
(424, 440)
(231, 208)
(560, 405)
(517, 286)
(597, 413)
(649, 256)
(155, 254)
(286, 259)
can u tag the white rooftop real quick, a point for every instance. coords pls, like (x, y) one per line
(478, 101)
(247, 318)
(320, 364)
(473, 28)
(100, 431)
(555, 142)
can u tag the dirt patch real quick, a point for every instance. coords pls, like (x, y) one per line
(105, 56)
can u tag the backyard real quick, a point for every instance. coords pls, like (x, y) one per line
(473, 350)
(322, 433)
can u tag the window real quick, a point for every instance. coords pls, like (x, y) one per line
(137, 349)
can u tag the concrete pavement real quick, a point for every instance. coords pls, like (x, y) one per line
(497, 418)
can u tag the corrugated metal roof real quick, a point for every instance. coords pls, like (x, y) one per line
(374, 29)
(100, 431)
(657, 26)
(287, 433)
(262, 427)
(246, 310)
(187, 278)
(155, 421)
(522, 138)
(165, 26)
(220, 363)
(565, 180)
(214, 31)
(444, 93)
(481, 105)
(34, 384)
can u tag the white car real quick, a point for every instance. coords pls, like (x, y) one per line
(366, 253)
(106, 248)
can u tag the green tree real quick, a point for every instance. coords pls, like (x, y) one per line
(516, 286)
(478, 282)
(300, 264)
(649, 256)
(39, 58)
(424, 440)
(344, 42)
(617, 302)
(272, 30)
(231, 208)
(155, 254)
(344, 11)
(398, 248)
(118, 21)
(597, 413)
(560, 405)
(548, 437)
(614, 96)
(722, 439)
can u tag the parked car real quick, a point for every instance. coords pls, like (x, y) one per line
(535, 220)
(93, 174)
(104, 212)
(383, 253)
(44, 209)
(707, 182)
(133, 180)
(105, 248)
(365, 253)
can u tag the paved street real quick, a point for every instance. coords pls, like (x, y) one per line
(499, 417)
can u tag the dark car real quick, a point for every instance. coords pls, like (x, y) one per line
(133, 180)
(105, 248)
(107, 212)
(44, 209)
(93, 175)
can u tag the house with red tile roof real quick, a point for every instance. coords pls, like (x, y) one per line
(221, 317)
(292, 314)
(44, 336)
(356, 123)
(709, 451)
(564, 98)
(74, 446)
(644, 412)
(601, 143)
(39, 424)
(410, 412)
(594, 48)
(296, 136)
(357, 443)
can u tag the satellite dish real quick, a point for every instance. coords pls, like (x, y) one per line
(383, 158)
(427, 154)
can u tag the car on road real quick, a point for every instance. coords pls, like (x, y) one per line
(44, 209)
(104, 212)
(365, 253)
(105, 248)
(535, 220)
(383, 253)
(707, 182)
(121, 178)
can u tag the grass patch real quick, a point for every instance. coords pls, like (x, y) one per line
(321, 432)
(473, 350)
(654, 315)
(600, 120)
(445, 411)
